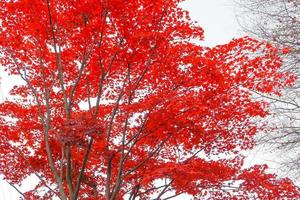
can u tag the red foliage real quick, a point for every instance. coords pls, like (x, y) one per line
(256, 180)
(118, 96)
(286, 50)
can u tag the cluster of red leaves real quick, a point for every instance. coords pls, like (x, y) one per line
(266, 186)
(160, 107)
(78, 128)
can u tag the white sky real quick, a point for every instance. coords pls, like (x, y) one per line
(217, 17)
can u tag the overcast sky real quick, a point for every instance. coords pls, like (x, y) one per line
(217, 17)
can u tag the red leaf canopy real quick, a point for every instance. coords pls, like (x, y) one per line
(120, 102)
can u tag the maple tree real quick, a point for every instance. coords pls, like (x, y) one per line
(119, 101)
